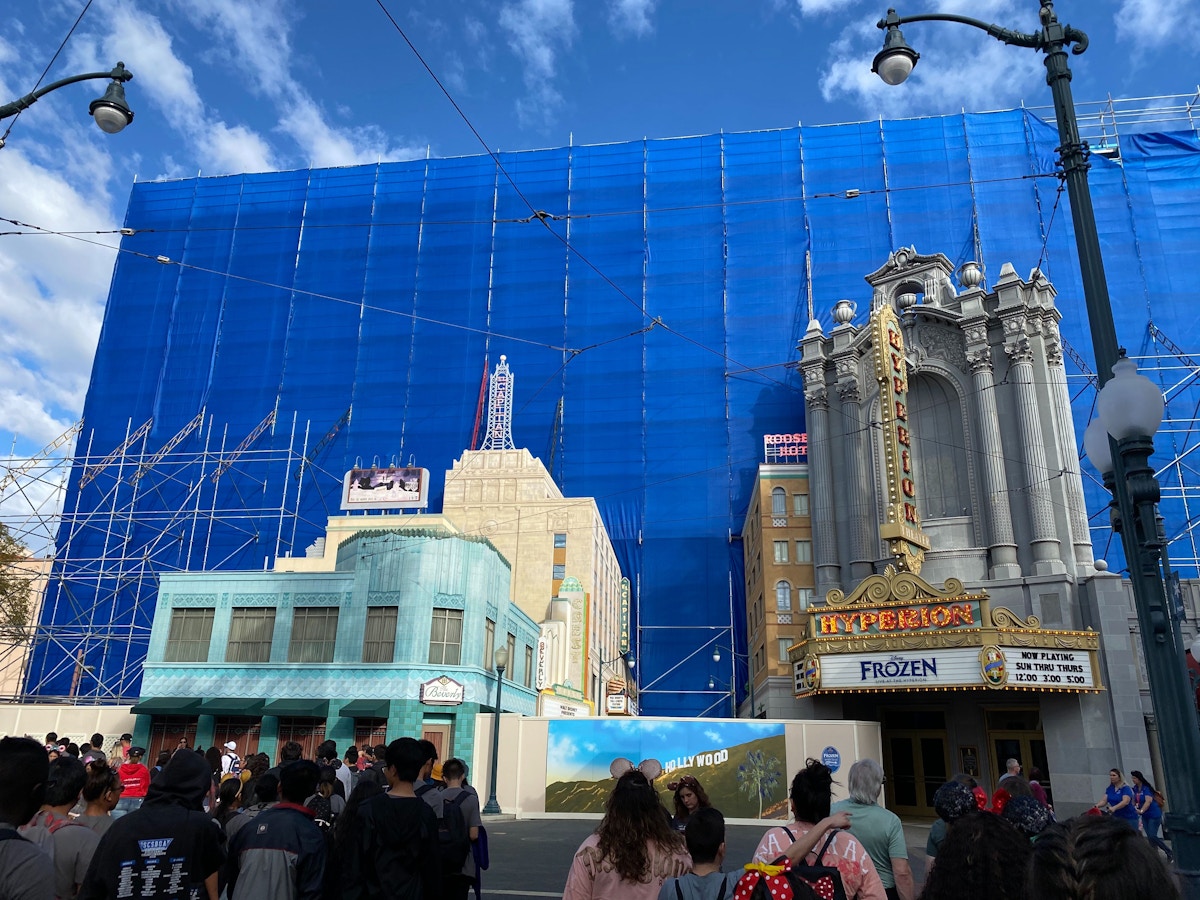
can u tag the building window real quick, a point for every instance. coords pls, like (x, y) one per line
(799, 504)
(445, 637)
(528, 666)
(379, 638)
(489, 645)
(314, 632)
(250, 633)
(512, 656)
(804, 596)
(560, 571)
(190, 635)
(778, 502)
(560, 541)
(781, 551)
(783, 597)
(803, 551)
(784, 644)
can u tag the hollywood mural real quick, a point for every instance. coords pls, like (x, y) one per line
(742, 766)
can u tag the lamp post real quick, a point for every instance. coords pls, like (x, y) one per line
(1132, 480)
(750, 673)
(111, 112)
(501, 659)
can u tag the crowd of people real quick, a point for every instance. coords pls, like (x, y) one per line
(1002, 847)
(388, 822)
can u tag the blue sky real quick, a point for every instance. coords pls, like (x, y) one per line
(583, 749)
(226, 86)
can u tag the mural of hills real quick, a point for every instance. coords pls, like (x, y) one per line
(766, 756)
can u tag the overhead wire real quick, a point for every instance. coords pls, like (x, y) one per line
(45, 71)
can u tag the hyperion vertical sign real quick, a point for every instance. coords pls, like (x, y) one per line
(901, 529)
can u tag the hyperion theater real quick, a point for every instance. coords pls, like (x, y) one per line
(957, 602)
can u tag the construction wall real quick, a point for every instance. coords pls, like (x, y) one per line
(531, 752)
(266, 332)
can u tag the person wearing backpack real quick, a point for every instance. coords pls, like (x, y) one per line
(457, 831)
(810, 800)
(26, 873)
(398, 857)
(68, 843)
(1149, 804)
(705, 837)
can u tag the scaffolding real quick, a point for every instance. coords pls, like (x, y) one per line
(206, 498)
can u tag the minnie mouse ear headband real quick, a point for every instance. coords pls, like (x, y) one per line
(687, 781)
(651, 768)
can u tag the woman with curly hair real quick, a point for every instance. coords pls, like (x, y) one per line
(810, 799)
(633, 850)
(689, 797)
(984, 858)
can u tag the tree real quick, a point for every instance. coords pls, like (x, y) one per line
(15, 601)
(758, 777)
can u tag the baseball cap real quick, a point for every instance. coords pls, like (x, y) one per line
(137, 751)
(230, 745)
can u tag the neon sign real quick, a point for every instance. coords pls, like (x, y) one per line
(902, 530)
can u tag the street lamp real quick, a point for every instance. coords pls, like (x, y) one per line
(750, 673)
(1132, 481)
(111, 112)
(501, 659)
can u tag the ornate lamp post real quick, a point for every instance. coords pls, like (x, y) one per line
(1132, 480)
(501, 658)
(111, 112)
(745, 659)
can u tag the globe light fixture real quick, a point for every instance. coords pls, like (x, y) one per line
(111, 112)
(895, 62)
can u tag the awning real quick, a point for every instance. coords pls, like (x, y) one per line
(366, 709)
(231, 706)
(165, 706)
(310, 709)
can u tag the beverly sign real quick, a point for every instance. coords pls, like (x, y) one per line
(443, 691)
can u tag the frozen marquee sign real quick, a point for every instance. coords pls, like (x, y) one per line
(896, 632)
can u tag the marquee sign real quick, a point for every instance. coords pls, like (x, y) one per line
(902, 528)
(954, 667)
(896, 632)
(915, 618)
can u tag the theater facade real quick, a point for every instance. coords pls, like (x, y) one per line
(956, 599)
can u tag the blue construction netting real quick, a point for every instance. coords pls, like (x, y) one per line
(657, 289)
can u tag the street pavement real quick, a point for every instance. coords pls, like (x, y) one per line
(531, 857)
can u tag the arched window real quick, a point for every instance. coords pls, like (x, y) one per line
(778, 502)
(939, 448)
(783, 597)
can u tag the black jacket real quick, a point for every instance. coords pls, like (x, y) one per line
(166, 848)
(399, 857)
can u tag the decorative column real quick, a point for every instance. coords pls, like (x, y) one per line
(1046, 550)
(1081, 538)
(1002, 546)
(859, 491)
(827, 569)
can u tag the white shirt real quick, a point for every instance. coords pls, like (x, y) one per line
(228, 758)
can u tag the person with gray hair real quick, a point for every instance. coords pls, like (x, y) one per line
(877, 829)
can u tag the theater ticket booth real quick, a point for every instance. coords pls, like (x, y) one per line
(954, 681)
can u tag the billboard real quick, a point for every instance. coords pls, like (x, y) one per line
(394, 487)
(741, 765)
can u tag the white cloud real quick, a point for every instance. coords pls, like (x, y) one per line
(632, 17)
(537, 30)
(959, 67)
(1152, 23)
(258, 38)
(821, 7)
